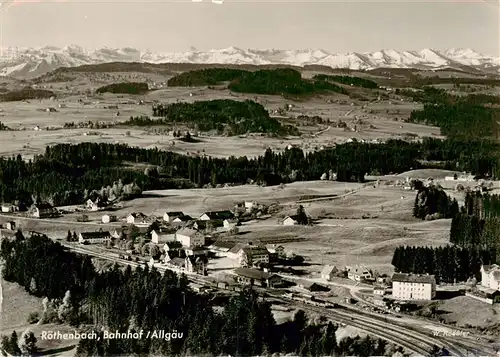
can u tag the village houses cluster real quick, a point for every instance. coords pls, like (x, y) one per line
(186, 244)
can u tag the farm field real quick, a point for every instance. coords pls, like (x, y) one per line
(351, 223)
(362, 225)
(17, 304)
(373, 121)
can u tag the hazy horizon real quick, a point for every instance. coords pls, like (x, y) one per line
(178, 26)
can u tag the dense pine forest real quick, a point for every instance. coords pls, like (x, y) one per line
(475, 235)
(124, 88)
(449, 264)
(348, 80)
(432, 202)
(465, 117)
(223, 115)
(26, 93)
(205, 77)
(280, 81)
(66, 174)
(479, 223)
(143, 299)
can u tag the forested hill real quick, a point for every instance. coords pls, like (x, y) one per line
(67, 174)
(280, 81)
(464, 117)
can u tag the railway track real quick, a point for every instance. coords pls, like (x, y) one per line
(413, 340)
(410, 341)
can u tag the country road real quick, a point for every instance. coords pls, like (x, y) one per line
(400, 333)
(331, 197)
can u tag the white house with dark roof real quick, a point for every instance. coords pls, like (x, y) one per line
(171, 246)
(196, 264)
(135, 218)
(43, 210)
(159, 237)
(98, 237)
(328, 272)
(257, 277)
(190, 237)
(252, 256)
(96, 205)
(170, 216)
(216, 215)
(290, 220)
(230, 223)
(235, 251)
(8, 208)
(181, 219)
(379, 290)
(106, 218)
(413, 286)
(490, 276)
(358, 273)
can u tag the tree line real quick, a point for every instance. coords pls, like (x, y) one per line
(479, 222)
(431, 202)
(348, 80)
(143, 299)
(125, 88)
(26, 93)
(457, 116)
(205, 77)
(280, 81)
(223, 115)
(449, 264)
(67, 174)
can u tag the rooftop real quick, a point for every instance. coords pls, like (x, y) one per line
(328, 269)
(255, 250)
(175, 213)
(237, 248)
(221, 215)
(490, 268)
(223, 245)
(188, 232)
(413, 278)
(94, 235)
(252, 273)
(177, 261)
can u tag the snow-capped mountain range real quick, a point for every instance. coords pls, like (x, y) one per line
(33, 62)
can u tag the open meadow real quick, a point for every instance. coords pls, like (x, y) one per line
(366, 120)
(351, 223)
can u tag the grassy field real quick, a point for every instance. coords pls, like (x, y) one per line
(353, 223)
(17, 304)
(373, 120)
(341, 235)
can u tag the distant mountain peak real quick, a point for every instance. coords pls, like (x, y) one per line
(33, 62)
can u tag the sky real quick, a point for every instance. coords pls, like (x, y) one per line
(335, 26)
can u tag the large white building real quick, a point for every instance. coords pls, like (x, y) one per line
(490, 276)
(413, 286)
(190, 237)
(159, 237)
